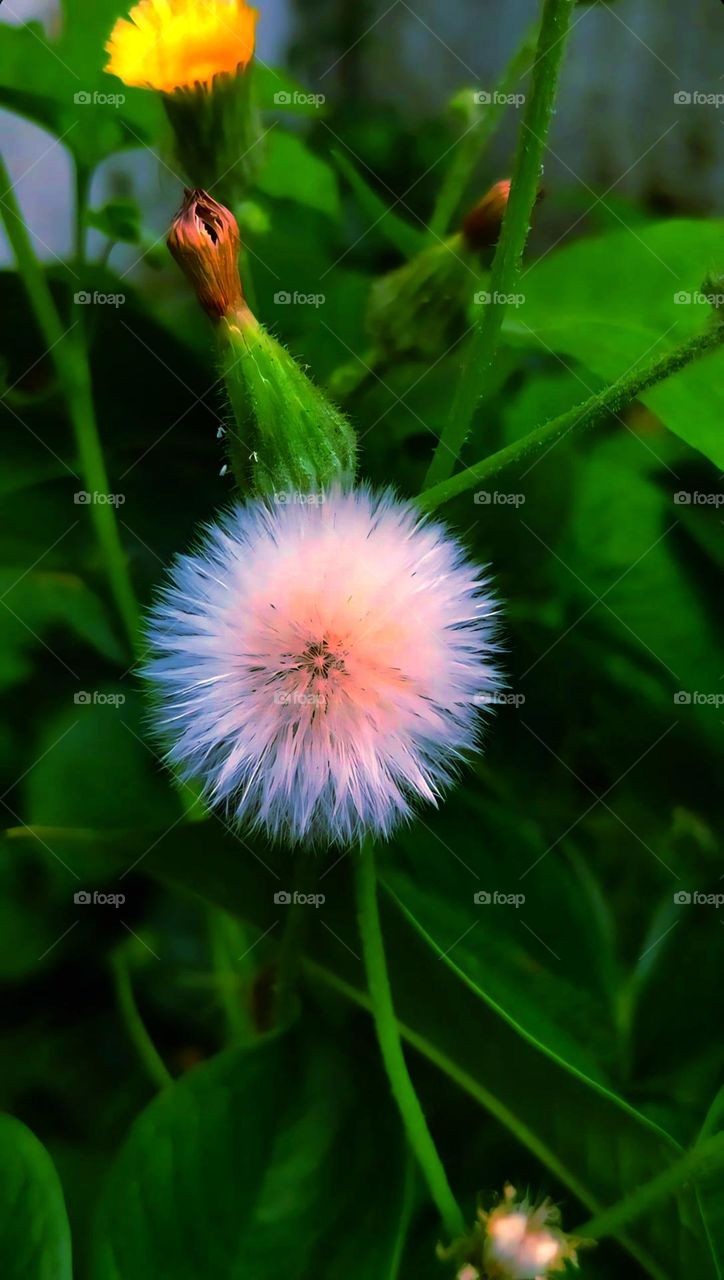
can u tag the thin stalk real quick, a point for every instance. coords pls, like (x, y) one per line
(71, 363)
(612, 400)
(82, 189)
(147, 1052)
(473, 144)
(388, 1035)
(471, 1086)
(478, 364)
(708, 1155)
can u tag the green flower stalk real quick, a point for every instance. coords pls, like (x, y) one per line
(217, 134)
(286, 436)
(199, 57)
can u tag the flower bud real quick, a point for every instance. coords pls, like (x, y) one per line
(288, 437)
(204, 240)
(481, 226)
(419, 309)
(515, 1241)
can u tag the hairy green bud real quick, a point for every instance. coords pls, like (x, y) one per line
(286, 435)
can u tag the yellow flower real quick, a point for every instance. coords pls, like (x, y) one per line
(177, 44)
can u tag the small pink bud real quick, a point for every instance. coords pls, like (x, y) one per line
(481, 226)
(204, 240)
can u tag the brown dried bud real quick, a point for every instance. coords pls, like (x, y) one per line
(204, 240)
(481, 226)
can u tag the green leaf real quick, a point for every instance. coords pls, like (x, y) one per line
(611, 300)
(38, 604)
(60, 84)
(34, 1231)
(622, 542)
(118, 219)
(74, 781)
(523, 947)
(262, 1162)
(407, 239)
(276, 90)
(293, 172)
(710, 1185)
(593, 1142)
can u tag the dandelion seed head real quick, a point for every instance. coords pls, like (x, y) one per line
(318, 664)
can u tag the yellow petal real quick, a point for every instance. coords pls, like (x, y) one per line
(171, 44)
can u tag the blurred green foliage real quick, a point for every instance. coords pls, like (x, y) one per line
(568, 1043)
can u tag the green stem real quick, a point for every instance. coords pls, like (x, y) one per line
(474, 143)
(146, 1049)
(388, 1034)
(406, 1211)
(82, 188)
(610, 401)
(707, 1156)
(479, 362)
(71, 363)
(471, 1086)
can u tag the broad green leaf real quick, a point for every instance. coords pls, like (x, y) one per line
(40, 605)
(542, 397)
(276, 90)
(262, 1162)
(293, 172)
(23, 466)
(710, 1185)
(617, 299)
(518, 935)
(34, 1231)
(118, 219)
(60, 85)
(93, 768)
(622, 543)
(594, 1143)
(407, 239)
